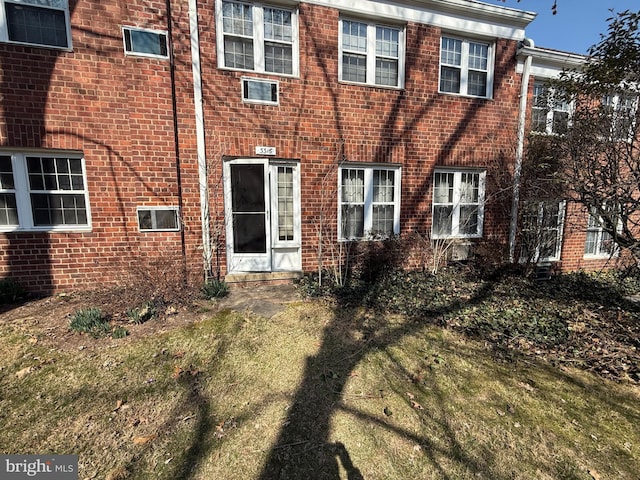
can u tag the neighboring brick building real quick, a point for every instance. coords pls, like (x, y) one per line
(136, 141)
(568, 237)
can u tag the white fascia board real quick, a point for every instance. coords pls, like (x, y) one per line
(464, 16)
(548, 63)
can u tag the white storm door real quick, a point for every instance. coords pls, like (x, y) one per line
(247, 215)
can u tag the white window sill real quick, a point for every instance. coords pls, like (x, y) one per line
(46, 230)
(460, 95)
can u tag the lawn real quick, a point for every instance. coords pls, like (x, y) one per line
(324, 390)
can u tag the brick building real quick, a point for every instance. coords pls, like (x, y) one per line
(169, 138)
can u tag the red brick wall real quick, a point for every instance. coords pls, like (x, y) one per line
(117, 111)
(319, 119)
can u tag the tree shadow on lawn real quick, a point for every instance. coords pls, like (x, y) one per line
(304, 448)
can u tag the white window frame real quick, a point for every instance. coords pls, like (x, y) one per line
(456, 202)
(368, 203)
(4, 25)
(135, 53)
(559, 229)
(464, 66)
(371, 52)
(153, 210)
(551, 107)
(276, 209)
(9, 190)
(258, 37)
(594, 226)
(615, 107)
(23, 193)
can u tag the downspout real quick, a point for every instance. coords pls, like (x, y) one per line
(522, 118)
(176, 134)
(200, 136)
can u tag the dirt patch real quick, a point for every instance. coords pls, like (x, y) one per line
(46, 321)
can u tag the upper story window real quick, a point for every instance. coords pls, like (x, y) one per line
(458, 203)
(466, 67)
(258, 38)
(36, 22)
(620, 110)
(550, 110)
(371, 54)
(144, 42)
(369, 202)
(43, 192)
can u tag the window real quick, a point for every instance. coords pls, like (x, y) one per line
(541, 234)
(259, 91)
(146, 43)
(43, 192)
(599, 242)
(369, 202)
(371, 54)
(466, 67)
(36, 22)
(458, 204)
(286, 203)
(258, 38)
(620, 111)
(550, 110)
(8, 206)
(158, 219)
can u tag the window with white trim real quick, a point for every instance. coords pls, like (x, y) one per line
(466, 67)
(550, 111)
(36, 22)
(8, 205)
(599, 243)
(620, 110)
(541, 231)
(158, 219)
(371, 54)
(43, 192)
(458, 203)
(258, 38)
(145, 42)
(369, 202)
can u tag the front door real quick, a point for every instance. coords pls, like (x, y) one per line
(262, 213)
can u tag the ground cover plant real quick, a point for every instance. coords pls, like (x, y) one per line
(410, 376)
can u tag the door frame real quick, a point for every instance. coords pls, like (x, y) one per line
(246, 262)
(280, 255)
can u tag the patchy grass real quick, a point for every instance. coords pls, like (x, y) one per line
(319, 391)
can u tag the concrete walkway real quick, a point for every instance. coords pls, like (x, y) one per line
(264, 300)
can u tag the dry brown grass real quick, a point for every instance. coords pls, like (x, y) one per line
(314, 392)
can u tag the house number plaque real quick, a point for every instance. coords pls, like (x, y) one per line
(265, 150)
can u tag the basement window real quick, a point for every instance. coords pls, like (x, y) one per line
(145, 43)
(158, 219)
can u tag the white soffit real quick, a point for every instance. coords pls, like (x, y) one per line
(464, 16)
(549, 63)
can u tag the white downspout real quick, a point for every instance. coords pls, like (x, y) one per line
(522, 117)
(200, 138)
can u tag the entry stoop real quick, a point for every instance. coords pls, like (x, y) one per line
(253, 279)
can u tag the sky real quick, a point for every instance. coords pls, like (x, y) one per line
(577, 25)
